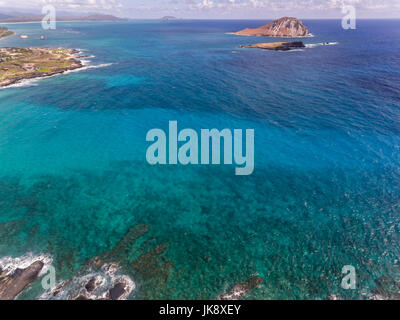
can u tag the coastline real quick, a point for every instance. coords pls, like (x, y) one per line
(97, 282)
(9, 35)
(78, 63)
(5, 32)
(100, 279)
(27, 82)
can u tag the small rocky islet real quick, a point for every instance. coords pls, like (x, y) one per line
(18, 64)
(286, 27)
(277, 46)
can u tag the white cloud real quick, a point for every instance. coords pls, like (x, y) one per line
(214, 8)
(66, 4)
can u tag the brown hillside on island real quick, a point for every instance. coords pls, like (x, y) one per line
(283, 27)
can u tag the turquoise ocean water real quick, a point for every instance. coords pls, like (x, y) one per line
(326, 187)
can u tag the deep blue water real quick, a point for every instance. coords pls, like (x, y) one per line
(326, 187)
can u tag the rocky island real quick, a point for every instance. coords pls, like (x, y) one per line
(4, 32)
(169, 18)
(17, 64)
(278, 46)
(284, 27)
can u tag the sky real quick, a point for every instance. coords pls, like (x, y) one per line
(214, 9)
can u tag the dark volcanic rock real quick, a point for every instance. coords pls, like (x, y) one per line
(117, 291)
(91, 285)
(12, 285)
(283, 27)
(59, 288)
(278, 46)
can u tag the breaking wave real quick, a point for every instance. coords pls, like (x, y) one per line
(9, 264)
(314, 45)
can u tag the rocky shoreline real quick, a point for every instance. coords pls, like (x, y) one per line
(12, 284)
(104, 283)
(110, 275)
(35, 63)
(277, 46)
(44, 75)
(100, 281)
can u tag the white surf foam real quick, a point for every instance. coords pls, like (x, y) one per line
(313, 45)
(294, 50)
(9, 264)
(106, 278)
(33, 82)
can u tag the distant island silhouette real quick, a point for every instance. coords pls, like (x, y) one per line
(169, 18)
(32, 18)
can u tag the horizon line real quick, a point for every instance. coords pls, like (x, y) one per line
(190, 19)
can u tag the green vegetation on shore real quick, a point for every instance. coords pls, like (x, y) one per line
(17, 64)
